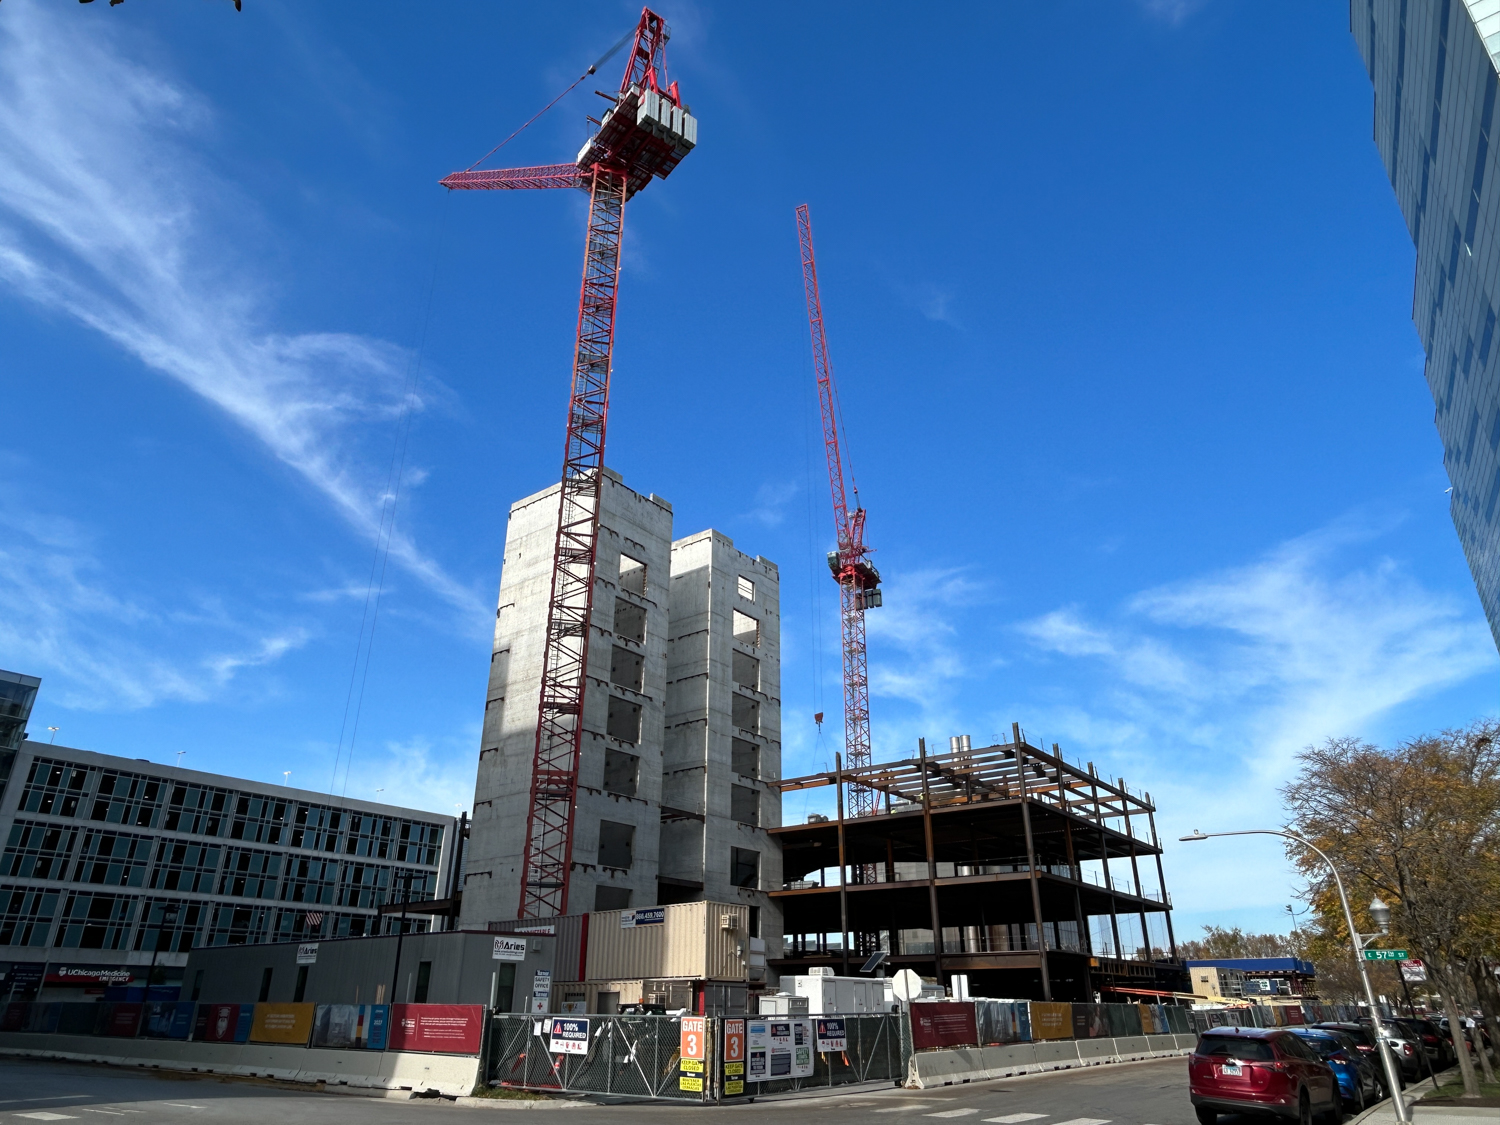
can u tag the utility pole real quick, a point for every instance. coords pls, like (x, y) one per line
(406, 878)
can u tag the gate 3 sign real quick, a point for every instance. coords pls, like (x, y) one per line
(569, 1037)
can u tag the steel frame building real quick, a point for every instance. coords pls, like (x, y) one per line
(986, 847)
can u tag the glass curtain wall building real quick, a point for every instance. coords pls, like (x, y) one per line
(1433, 67)
(17, 694)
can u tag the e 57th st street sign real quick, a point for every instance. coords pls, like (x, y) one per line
(1385, 955)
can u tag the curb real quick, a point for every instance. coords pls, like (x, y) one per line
(1404, 1095)
(526, 1105)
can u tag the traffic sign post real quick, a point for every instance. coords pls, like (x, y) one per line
(1386, 955)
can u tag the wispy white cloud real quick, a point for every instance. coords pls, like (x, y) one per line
(108, 216)
(420, 773)
(1204, 690)
(1171, 11)
(771, 500)
(103, 649)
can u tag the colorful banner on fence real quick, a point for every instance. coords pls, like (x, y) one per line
(935, 1024)
(289, 1024)
(453, 1029)
(1051, 1021)
(352, 1026)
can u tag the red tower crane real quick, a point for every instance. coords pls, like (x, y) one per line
(646, 133)
(859, 581)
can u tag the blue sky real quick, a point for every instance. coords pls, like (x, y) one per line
(1118, 296)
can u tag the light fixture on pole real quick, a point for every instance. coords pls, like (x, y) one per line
(1381, 914)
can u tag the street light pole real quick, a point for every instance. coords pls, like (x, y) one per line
(168, 916)
(1358, 942)
(406, 878)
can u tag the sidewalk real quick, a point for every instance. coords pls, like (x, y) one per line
(1385, 1112)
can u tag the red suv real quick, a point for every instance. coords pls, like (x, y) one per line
(1261, 1070)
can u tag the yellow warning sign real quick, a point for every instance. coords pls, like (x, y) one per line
(687, 1083)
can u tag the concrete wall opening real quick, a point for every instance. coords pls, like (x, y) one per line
(616, 844)
(744, 804)
(745, 713)
(611, 898)
(624, 720)
(746, 629)
(632, 575)
(630, 621)
(744, 867)
(744, 757)
(746, 588)
(746, 670)
(621, 771)
(627, 668)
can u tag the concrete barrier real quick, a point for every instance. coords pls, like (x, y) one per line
(451, 1075)
(975, 1064)
(1006, 1062)
(1092, 1052)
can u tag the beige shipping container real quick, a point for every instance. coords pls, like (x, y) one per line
(695, 940)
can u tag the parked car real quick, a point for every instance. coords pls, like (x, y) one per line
(1365, 1038)
(1265, 1070)
(1404, 1045)
(1359, 1085)
(1434, 1041)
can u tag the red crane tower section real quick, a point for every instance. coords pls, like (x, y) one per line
(859, 581)
(645, 134)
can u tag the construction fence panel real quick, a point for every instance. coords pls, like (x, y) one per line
(639, 1056)
(879, 1045)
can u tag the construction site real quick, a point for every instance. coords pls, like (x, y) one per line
(631, 751)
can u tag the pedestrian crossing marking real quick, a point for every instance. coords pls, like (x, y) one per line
(1015, 1118)
(953, 1113)
(1086, 1121)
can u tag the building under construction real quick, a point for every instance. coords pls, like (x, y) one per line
(1029, 868)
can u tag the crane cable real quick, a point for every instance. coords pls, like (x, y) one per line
(604, 58)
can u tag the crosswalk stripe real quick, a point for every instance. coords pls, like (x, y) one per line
(1086, 1121)
(952, 1113)
(1015, 1118)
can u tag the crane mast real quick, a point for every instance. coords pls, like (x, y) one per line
(644, 135)
(858, 580)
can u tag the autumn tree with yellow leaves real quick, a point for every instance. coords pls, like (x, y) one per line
(1417, 824)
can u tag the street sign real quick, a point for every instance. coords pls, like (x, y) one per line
(906, 985)
(1413, 971)
(1385, 955)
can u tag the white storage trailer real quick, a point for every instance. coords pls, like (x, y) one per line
(830, 995)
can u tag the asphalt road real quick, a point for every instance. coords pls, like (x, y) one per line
(1153, 1093)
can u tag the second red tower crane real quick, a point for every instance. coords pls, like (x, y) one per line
(859, 581)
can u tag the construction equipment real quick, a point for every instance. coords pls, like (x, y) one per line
(646, 132)
(859, 581)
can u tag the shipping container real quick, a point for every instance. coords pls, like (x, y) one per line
(571, 932)
(688, 940)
